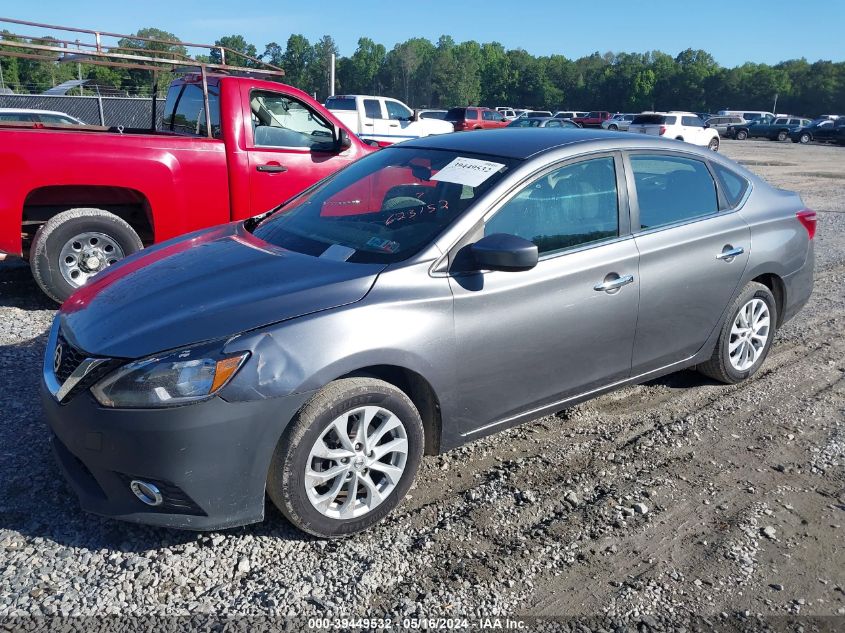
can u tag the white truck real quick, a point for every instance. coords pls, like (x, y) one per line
(383, 120)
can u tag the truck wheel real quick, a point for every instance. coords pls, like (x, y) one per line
(347, 459)
(75, 245)
(741, 135)
(782, 135)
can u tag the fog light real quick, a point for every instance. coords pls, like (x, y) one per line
(148, 493)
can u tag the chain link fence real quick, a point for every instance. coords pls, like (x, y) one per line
(109, 111)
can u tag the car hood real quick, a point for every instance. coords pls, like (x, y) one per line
(207, 285)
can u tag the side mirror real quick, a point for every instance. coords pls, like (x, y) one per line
(706, 125)
(343, 141)
(502, 251)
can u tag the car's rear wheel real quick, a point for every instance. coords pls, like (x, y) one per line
(348, 458)
(741, 135)
(782, 135)
(746, 336)
(713, 145)
(804, 139)
(75, 245)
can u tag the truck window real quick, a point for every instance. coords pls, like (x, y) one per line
(397, 111)
(372, 109)
(280, 121)
(184, 110)
(340, 103)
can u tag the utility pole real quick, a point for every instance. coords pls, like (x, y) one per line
(775, 106)
(331, 77)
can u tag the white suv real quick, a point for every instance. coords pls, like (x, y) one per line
(683, 126)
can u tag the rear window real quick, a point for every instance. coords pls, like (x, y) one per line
(653, 119)
(456, 114)
(340, 103)
(184, 110)
(372, 109)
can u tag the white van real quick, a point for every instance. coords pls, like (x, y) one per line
(748, 115)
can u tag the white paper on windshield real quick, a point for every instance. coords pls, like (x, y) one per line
(467, 171)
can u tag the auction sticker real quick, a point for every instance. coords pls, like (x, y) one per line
(467, 171)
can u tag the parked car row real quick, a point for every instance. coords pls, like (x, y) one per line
(777, 129)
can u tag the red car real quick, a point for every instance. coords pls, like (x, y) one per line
(593, 119)
(475, 118)
(76, 199)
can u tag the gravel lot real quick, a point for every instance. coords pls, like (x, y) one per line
(651, 505)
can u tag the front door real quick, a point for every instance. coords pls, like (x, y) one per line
(692, 256)
(290, 147)
(530, 339)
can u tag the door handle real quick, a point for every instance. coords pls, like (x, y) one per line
(272, 169)
(394, 125)
(370, 124)
(609, 285)
(730, 253)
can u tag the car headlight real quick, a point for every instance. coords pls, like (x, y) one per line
(170, 379)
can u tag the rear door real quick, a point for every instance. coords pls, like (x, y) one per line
(290, 147)
(693, 252)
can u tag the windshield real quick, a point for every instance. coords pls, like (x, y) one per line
(385, 207)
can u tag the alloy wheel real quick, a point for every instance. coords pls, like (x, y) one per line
(356, 462)
(749, 334)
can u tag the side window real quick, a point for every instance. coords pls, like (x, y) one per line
(280, 121)
(692, 121)
(487, 115)
(188, 115)
(554, 124)
(397, 111)
(472, 114)
(734, 186)
(372, 109)
(17, 118)
(574, 205)
(669, 120)
(672, 189)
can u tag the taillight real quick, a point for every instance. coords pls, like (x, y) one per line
(807, 218)
(662, 130)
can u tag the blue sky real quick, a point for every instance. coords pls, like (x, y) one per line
(766, 31)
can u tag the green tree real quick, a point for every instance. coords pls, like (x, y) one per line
(298, 56)
(239, 53)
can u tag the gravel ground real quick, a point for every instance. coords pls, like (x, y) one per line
(675, 499)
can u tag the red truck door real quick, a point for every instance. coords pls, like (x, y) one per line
(290, 147)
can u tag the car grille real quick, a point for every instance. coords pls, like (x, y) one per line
(72, 357)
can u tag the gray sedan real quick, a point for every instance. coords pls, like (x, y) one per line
(432, 293)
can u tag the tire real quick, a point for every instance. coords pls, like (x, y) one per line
(782, 136)
(741, 135)
(804, 139)
(679, 138)
(613, 128)
(109, 239)
(713, 145)
(721, 366)
(290, 489)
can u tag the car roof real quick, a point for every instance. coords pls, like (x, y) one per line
(523, 143)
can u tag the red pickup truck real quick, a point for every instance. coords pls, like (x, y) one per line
(593, 119)
(75, 199)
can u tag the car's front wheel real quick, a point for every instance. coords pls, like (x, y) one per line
(612, 127)
(741, 135)
(804, 139)
(348, 458)
(746, 336)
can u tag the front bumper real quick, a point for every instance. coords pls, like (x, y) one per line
(209, 459)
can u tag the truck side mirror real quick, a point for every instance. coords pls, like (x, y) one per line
(343, 141)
